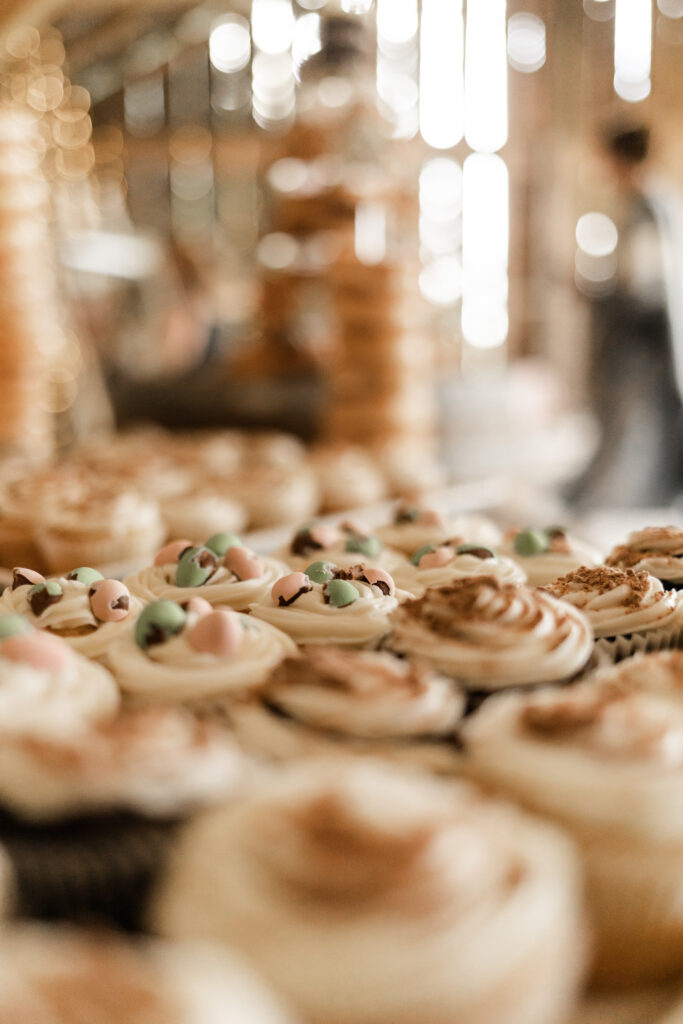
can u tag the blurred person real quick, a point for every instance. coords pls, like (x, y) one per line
(636, 366)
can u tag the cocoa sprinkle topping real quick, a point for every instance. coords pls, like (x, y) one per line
(441, 608)
(601, 580)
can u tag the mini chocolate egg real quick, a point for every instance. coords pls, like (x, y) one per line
(340, 593)
(303, 542)
(286, 590)
(243, 563)
(109, 600)
(42, 595)
(195, 567)
(426, 549)
(321, 572)
(531, 542)
(39, 649)
(197, 606)
(474, 549)
(371, 547)
(436, 558)
(13, 625)
(172, 551)
(25, 577)
(219, 543)
(219, 633)
(379, 578)
(84, 574)
(157, 622)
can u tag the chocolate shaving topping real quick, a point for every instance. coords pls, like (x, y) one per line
(285, 602)
(42, 599)
(304, 543)
(19, 580)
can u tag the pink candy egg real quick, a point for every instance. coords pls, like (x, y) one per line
(172, 551)
(40, 650)
(21, 577)
(436, 559)
(244, 563)
(428, 517)
(109, 600)
(325, 536)
(382, 579)
(198, 606)
(219, 633)
(287, 588)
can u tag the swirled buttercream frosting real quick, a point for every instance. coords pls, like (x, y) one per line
(655, 549)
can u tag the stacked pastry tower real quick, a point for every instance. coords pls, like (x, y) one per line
(382, 378)
(27, 289)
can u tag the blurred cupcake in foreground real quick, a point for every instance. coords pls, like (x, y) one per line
(491, 635)
(62, 975)
(414, 525)
(605, 759)
(85, 609)
(46, 688)
(545, 553)
(657, 550)
(437, 565)
(196, 654)
(87, 818)
(368, 893)
(629, 611)
(332, 699)
(329, 605)
(222, 571)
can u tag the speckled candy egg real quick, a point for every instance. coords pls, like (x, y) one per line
(110, 600)
(219, 633)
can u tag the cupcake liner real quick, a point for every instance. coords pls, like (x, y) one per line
(615, 648)
(93, 869)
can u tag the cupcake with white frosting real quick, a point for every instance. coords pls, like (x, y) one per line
(85, 609)
(344, 544)
(330, 605)
(196, 654)
(629, 611)
(655, 549)
(414, 525)
(333, 699)
(202, 511)
(46, 688)
(437, 565)
(604, 759)
(491, 635)
(545, 553)
(64, 975)
(87, 817)
(368, 893)
(222, 571)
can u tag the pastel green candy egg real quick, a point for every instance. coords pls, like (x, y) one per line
(531, 541)
(320, 572)
(340, 593)
(84, 574)
(13, 625)
(157, 622)
(195, 567)
(219, 543)
(371, 547)
(426, 549)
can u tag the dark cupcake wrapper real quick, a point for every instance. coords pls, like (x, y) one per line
(475, 698)
(94, 869)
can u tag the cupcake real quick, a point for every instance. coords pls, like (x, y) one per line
(196, 655)
(545, 553)
(437, 565)
(46, 688)
(333, 699)
(86, 610)
(86, 817)
(414, 525)
(329, 605)
(347, 477)
(222, 571)
(344, 544)
(491, 635)
(604, 759)
(657, 550)
(65, 975)
(629, 611)
(100, 529)
(365, 893)
(201, 512)
(274, 495)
